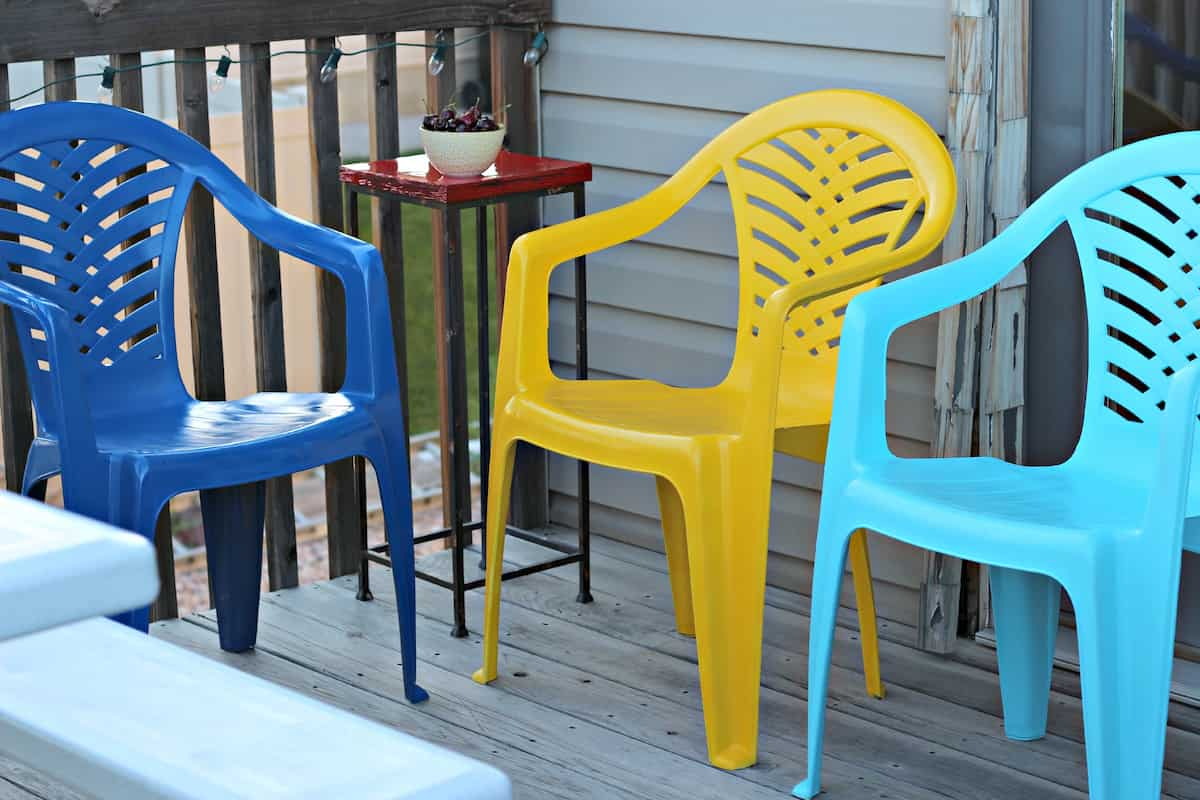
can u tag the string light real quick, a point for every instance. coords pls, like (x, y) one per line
(329, 68)
(440, 49)
(217, 82)
(537, 50)
(437, 61)
(105, 93)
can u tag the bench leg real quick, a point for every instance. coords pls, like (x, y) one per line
(233, 538)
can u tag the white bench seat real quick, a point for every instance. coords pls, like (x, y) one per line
(118, 714)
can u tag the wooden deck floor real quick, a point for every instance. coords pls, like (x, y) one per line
(603, 701)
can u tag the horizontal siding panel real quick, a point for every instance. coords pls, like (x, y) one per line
(730, 75)
(627, 135)
(901, 26)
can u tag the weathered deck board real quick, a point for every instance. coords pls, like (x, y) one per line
(603, 700)
(19, 782)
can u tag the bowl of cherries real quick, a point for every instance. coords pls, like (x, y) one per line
(461, 145)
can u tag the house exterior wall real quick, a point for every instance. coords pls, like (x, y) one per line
(636, 88)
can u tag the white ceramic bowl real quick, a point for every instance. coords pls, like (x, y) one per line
(462, 154)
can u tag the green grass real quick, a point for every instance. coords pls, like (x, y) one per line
(418, 312)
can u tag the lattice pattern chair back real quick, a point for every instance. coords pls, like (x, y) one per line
(818, 200)
(93, 226)
(1139, 253)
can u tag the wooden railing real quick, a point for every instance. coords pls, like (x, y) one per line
(57, 32)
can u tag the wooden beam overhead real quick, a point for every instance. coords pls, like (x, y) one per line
(32, 30)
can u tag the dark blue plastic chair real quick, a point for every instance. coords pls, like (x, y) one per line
(97, 332)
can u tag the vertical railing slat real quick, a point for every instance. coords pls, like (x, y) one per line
(16, 404)
(58, 74)
(439, 91)
(128, 93)
(258, 131)
(200, 234)
(343, 491)
(513, 87)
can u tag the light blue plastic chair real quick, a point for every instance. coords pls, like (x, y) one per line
(1108, 525)
(97, 330)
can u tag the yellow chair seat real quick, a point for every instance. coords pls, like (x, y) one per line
(608, 412)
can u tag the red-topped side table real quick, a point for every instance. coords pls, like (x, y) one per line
(413, 180)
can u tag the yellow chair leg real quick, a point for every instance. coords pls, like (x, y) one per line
(727, 553)
(860, 563)
(675, 540)
(499, 486)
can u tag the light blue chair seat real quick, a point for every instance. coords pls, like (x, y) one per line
(1059, 502)
(1109, 525)
(92, 202)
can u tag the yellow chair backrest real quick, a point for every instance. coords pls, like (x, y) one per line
(830, 183)
(836, 182)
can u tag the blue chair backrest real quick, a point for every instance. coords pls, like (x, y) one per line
(92, 199)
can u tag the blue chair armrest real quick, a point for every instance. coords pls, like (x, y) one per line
(357, 265)
(56, 323)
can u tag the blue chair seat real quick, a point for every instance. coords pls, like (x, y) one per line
(265, 421)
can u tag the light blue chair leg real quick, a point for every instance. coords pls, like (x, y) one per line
(395, 492)
(233, 540)
(828, 568)
(1026, 607)
(1126, 627)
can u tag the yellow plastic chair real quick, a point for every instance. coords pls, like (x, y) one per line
(828, 190)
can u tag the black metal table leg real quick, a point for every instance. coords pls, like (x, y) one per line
(364, 566)
(485, 371)
(581, 373)
(456, 378)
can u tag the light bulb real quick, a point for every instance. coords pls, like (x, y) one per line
(217, 80)
(329, 68)
(437, 61)
(537, 50)
(105, 93)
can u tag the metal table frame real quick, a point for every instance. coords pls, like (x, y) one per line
(456, 391)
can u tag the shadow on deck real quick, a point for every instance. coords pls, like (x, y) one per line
(603, 700)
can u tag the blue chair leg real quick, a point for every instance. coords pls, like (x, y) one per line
(1026, 607)
(233, 539)
(1126, 630)
(139, 517)
(828, 569)
(395, 493)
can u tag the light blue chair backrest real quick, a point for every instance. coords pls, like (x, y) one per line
(1135, 218)
(77, 182)
(1134, 215)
